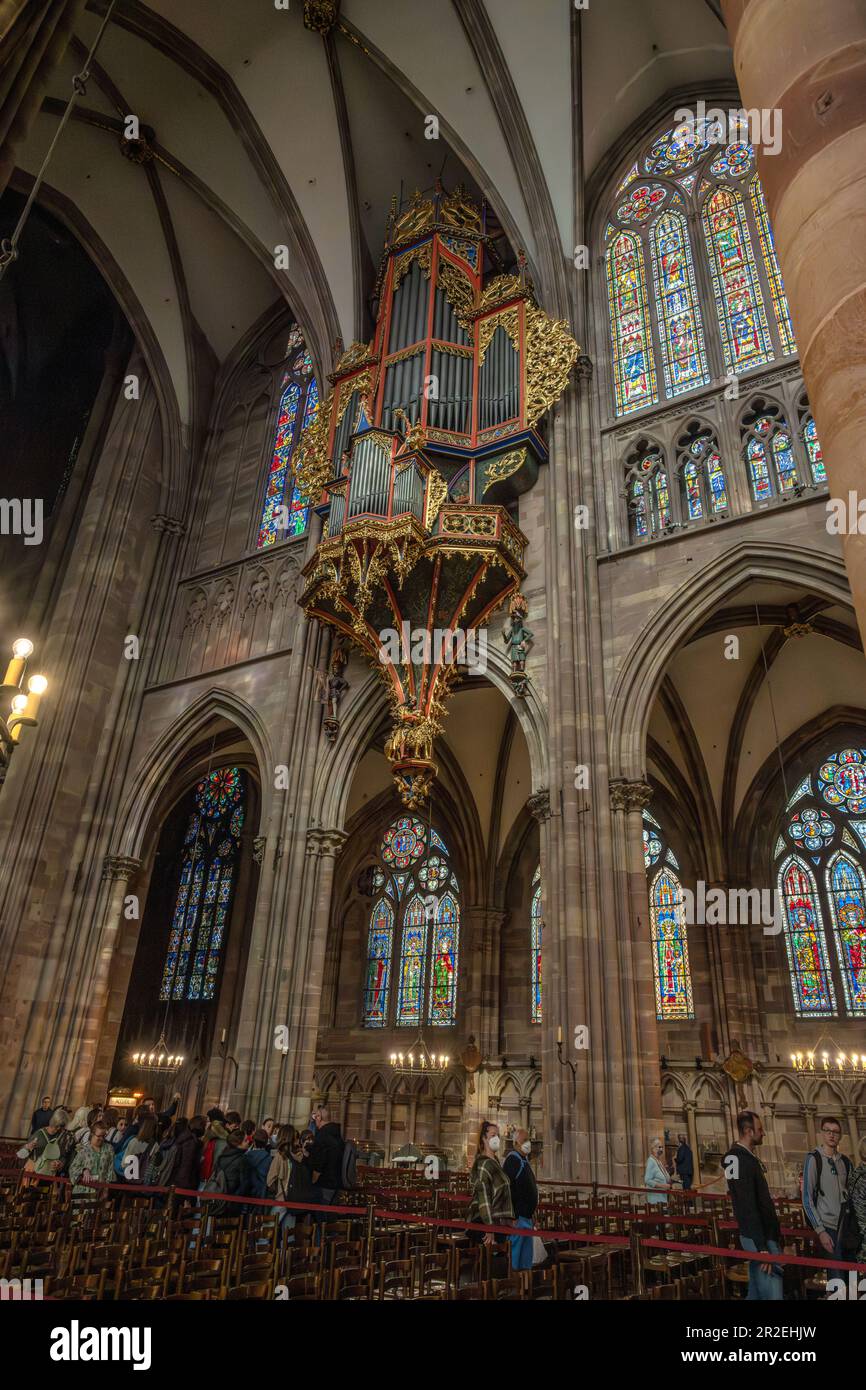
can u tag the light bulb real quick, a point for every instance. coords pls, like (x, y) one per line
(37, 685)
(22, 648)
(393, 1059)
(180, 1061)
(19, 703)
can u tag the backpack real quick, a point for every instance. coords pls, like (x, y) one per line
(52, 1153)
(819, 1163)
(849, 1235)
(207, 1158)
(217, 1183)
(118, 1157)
(161, 1167)
(349, 1174)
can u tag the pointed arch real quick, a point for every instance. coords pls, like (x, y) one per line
(736, 287)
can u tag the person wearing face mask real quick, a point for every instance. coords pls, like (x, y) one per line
(491, 1189)
(524, 1197)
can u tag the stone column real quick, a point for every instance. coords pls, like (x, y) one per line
(853, 1133)
(809, 1112)
(636, 980)
(810, 64)
(389, 1116)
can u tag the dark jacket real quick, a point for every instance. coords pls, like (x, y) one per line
(326, 1157)
(232, 1162)
(754, 1211)
(524, 1188)
(685, 1164)
(188, 1161)
(40, 1119)
(258, 1162)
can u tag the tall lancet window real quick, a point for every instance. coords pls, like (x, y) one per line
(299, 401)
(413, 942)
(673, 981)
(205, 888)
(536, 929)
(692, 274)
(819, 859)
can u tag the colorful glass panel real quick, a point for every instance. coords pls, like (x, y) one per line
(774, 274)
(640, 202)
(379, 947)
(759, 472)
(205, 887)
(845, 889)
(404, 842)
(692, 485)
(652, 846)
(813, 449)
(680, 331)
(633, 364)
(783, 457)
(739, 303)
(842, 780)
(678, 149)
(811, 981)
(670, 948)
(536, 927)
(735, 160)
(811, 829)
(411, 984)
(443, 975)
(283, 442)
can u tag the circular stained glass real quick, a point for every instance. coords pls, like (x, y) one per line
(652, 847)
(734, 160)
(844, 781)
(404, 842)
(812, 829)
(678, 149)
(434, 873)
(640, 202)
(216, 793)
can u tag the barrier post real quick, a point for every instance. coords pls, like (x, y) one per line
(371, 1208)
(637, 1279)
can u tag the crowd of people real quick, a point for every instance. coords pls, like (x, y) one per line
(219, 1153)
(833, 1192)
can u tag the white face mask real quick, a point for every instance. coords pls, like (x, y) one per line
(494, 1142)
(526, 1147)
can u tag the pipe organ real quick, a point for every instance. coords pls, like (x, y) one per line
(426, 436)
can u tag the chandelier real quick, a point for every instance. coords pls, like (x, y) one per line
(158, 1060)
(815, 1062)
(418, 1059)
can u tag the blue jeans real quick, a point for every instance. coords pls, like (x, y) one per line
(766, 1287)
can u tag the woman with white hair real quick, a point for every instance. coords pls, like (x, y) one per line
(656, 1175)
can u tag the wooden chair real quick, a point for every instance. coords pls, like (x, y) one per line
(354, 1283)
(434, 1272)
(396, 1279)
(509, 1287)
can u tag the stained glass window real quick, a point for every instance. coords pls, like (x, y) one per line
(825, 831)
(739, 302)
(536, 931)
(205, 887)
(770, 458)
(704, 489)
(811, 982)
(299, 402)
(415, 922)
(670, 948)
(649, 500)
(845, 890)
(813, 449)
(771, 265)
(671, 974)
(633, 364)
(680, 331)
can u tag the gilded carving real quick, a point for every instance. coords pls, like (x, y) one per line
(458, 291)
(551, 352)
(437, 491)
(503, 467)
(311, 464)
(458, 210)
(418, 217)
(507, 319)
(423, 254)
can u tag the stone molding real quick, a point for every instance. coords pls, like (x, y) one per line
(630, 796)
(538, 804)
(119, 867)
(323, 842)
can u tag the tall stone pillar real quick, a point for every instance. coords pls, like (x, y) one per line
(692, 1128)
(635, 981)
(809, 63)
(853, 1133)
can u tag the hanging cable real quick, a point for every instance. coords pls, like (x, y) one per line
(9, 245)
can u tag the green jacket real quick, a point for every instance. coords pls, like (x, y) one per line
(491, 1193)
(99, 1162)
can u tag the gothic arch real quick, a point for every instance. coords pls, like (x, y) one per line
(681, 612)
(336, 769)
(156, 769)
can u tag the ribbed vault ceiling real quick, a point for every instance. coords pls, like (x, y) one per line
(267, 134)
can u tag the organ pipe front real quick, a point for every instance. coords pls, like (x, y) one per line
(426, 439)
